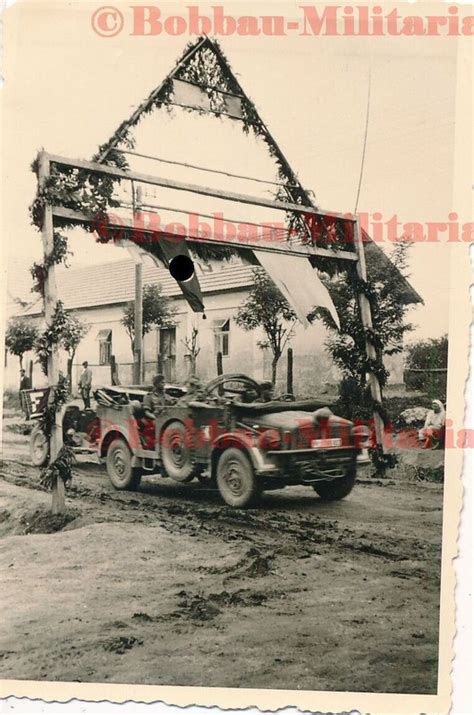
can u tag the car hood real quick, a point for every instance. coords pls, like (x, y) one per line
(288, 420)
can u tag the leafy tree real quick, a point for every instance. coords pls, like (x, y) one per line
(265, 307)
(347, 346)
(427, 363)
(20, 337)
(191, 343)
(157, 312)
(428, 354)
(71, 335)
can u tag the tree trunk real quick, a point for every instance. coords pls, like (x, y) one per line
(69, 371)
(20, 357)
(274, 368)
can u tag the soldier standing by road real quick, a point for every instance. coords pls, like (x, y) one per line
(25, 384)
(85, 384)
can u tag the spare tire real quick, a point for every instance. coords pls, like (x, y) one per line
(176, 455)
(39, 448)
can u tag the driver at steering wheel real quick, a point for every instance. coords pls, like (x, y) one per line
(194, 392)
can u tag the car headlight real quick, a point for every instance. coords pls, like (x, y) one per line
(270, 439)
(362, 437)
(322, 415)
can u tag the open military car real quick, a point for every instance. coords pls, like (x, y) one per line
(223, 433)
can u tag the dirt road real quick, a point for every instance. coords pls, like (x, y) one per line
(169, 586)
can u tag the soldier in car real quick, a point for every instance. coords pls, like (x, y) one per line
(267, 389)
(156, 400)
(194, 392)
(152, 406)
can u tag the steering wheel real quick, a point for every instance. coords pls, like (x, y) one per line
(285, 397)
(220, 381)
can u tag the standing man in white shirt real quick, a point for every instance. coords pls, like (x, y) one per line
(85, 384)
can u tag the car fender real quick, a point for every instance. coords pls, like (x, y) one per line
(243, 442)
(112, 433)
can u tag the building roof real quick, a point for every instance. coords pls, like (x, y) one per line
(18, 287)
(375, 257)
(114, 283)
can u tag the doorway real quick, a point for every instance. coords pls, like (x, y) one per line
(168, 353)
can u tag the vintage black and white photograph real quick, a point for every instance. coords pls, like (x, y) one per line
(228, 320)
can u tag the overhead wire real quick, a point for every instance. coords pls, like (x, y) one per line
(362, 163)
(206, 169)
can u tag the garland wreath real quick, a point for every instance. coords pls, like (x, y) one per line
(61, 468)
(202, 64)
(58, 396)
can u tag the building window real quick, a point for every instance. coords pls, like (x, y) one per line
(221, 336)
(105, 346)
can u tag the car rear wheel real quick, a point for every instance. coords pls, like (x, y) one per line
(337, 488)
(39, 448)
(119, 466)
(176, 455)
(236, 479)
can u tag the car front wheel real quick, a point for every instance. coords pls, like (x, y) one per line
(119, 466)
(337, 488)
(236, 479)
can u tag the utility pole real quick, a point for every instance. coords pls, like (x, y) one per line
(50, 300)
(138, 341)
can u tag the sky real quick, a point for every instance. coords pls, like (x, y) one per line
(67, 90)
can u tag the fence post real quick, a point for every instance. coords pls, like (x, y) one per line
(289, 372)
(114, 378)
(220, 371)
(138, 338)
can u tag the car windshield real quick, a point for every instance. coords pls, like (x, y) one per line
(236, 389)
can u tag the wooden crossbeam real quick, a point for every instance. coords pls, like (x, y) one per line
(194, 188)
(281, 247)
(206, 87)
